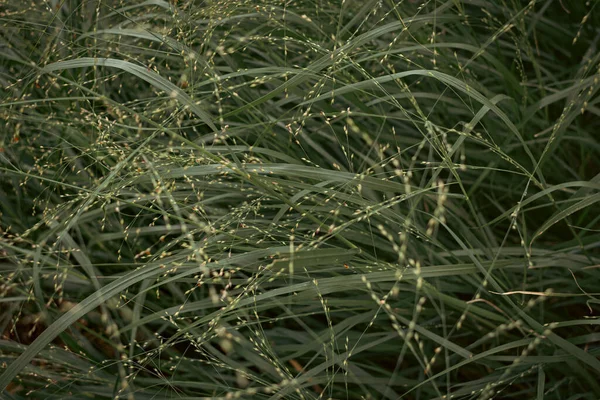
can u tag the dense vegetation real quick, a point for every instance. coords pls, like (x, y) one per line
(307, 199)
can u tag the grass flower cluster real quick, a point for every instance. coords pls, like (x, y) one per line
(311, 199)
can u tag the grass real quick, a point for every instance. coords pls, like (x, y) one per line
(300, 200)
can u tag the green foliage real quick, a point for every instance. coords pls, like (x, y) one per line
(300, 200)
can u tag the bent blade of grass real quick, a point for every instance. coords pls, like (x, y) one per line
(328, 286)
(303, 171)
(141, 72)
(447, 80)
(75, 313)
(330, 59)
(547, 192)
(562, 214)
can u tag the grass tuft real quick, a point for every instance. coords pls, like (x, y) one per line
(300, 200)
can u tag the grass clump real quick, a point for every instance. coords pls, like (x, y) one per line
(300, 200)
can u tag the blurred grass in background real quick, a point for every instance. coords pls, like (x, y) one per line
(300, 200)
